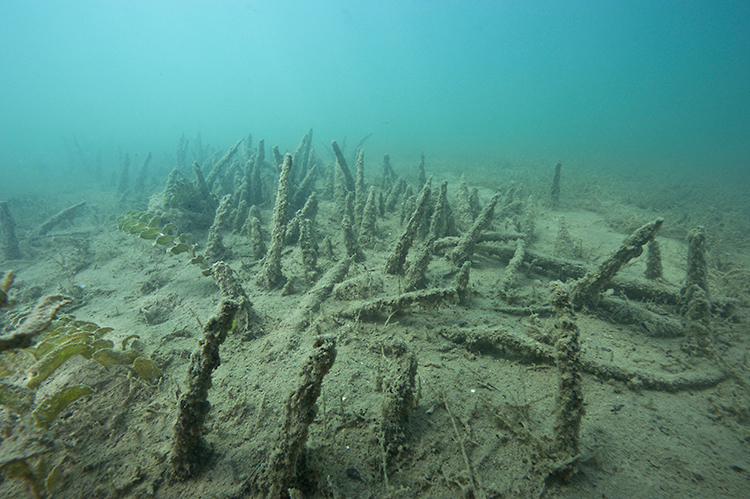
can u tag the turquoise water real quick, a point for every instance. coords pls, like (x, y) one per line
(626, 84)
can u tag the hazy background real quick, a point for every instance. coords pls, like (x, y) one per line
(629, 84)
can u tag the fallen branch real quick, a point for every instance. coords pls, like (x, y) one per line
(64, 216)
(503, 343)
(428, 298)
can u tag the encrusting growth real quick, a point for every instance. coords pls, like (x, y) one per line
(270, 275)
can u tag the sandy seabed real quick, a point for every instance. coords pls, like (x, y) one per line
(661, 418)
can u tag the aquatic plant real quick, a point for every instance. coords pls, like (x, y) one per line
(148, 226)
(61, 340)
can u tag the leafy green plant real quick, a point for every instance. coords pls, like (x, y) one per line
(148, 226)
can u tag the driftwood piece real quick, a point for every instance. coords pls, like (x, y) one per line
(500, 343)
(448, 242)
(562, 269)
(652, 323)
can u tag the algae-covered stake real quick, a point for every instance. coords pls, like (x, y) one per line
(270, 275)
(399, 390)
(567, 429)
(555, 191)
(190, 451)
(394, 265)
(694, 298)
(654, 268)
(369, 215)
(466, 245)
(585, 291)
(415, 273)
(350, 241)
(231, 289)
(282, 465)
(215, 249)
(8, 242)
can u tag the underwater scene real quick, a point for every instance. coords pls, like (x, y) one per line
(374, 249)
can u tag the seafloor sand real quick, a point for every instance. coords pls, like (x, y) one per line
(662, 418)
